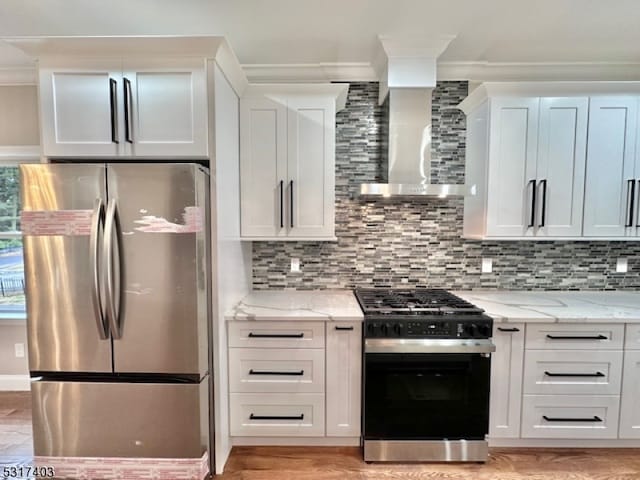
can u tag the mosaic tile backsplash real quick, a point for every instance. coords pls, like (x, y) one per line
(401, 243)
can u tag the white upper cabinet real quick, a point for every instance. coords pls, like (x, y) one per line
(561, 166)
(547, 166)
(611, 173)
(512, 165)
(535, 167)
(287, 161)
(116, 108)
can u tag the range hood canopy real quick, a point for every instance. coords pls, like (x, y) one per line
(409, 78)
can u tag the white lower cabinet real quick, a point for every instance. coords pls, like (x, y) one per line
(573, 372)
(570, 416)
(344, 373)
(277, 414)
(282, 371)
(629, 409)
(295, 379)
(565, 382)
(506, 381)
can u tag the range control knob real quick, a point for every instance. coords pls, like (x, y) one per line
(484, 330)
(371, 329)
(471, 330)
(397, 329)
(384, 329)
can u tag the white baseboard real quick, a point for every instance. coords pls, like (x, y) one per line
(14, 383)
(296, 441)
(562, 443)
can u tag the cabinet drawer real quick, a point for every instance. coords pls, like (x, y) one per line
(570, 416)
(289, 334)
(632, 337)
(571, 372)
(277, 414)
(574, 336)
(271, 370)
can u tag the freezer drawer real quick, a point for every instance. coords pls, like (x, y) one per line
(139, 420)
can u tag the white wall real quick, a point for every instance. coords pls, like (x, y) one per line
(232, 258)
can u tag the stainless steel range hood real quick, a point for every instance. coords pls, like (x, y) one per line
(410, 149)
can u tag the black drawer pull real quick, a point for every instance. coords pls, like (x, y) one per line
(344, 328)
(276, 417)
(508, 329)
(597, 374)
(266, 372)
(577, 337)
(595, 418)
(276, 335)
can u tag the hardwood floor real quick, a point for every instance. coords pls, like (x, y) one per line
(306, 463)
(298, 463)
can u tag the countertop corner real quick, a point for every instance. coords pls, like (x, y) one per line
(301, 305)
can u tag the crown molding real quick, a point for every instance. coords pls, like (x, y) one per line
(546, 89)
(473, 71)
(310, 72)
(18, 76)
(534, 71)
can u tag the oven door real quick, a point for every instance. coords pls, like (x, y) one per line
(426, 396)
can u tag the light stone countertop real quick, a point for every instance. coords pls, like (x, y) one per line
(560, 306)
(305, 305)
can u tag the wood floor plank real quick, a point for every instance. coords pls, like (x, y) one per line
(331, 463)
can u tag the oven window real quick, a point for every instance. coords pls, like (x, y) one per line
(426, 396)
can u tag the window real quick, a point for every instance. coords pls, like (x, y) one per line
(12, 296)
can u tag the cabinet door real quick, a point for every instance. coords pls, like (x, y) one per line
(81, 110)
(506, 381)
(629, 411)
(310, 167)
(561, 166)
(344, 374)
(263, 162)
(512, 166)
(610, 169)
(165, 110)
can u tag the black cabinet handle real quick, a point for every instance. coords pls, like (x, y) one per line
(113, 103)
(275, 335)
(344, 328)
(596, 374)
(595, 418)
(543, 213)
(128, 100)
(631, 193)
(502, 329)
(577, 337)
(266, 372)
(276, 417)
(532, 220)
(291, 200)
(281, 204)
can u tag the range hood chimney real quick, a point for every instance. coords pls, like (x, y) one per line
(408, 79)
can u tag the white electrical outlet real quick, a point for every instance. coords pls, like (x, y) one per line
(487, 265)
(622, 265)
(295, 264)
(19, 348)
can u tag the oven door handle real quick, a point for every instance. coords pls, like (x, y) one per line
(427, 345)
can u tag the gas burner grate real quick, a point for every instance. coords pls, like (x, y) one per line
(418, 301)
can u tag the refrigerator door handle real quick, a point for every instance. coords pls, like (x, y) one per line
(111, 232)
(97, 221)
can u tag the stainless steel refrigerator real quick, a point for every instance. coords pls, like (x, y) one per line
(117, 276)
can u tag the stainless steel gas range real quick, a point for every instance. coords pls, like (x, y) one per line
(427, 359)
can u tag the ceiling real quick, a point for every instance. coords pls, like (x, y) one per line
(335, 31)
